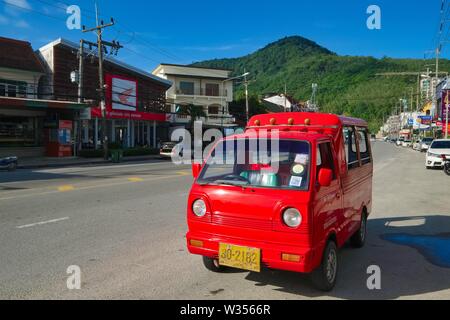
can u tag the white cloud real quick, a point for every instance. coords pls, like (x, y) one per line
(22, 24)
(16, 6)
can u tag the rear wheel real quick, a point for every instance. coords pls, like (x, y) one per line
(324, 277)
(213, 265)
(359, 238)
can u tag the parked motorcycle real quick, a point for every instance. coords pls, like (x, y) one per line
(446, 164)
(8, 163)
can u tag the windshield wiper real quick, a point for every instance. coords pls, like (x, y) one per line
(232, 183)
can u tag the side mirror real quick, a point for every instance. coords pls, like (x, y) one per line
(196, 167)
(325, 177)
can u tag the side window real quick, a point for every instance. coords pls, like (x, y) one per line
(364, 150)
(325, 158)
(350, 148)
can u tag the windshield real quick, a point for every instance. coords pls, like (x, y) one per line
(427, 140)
(441, 145)
(281, 164)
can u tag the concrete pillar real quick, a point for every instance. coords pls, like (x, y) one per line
(86, 134)
(96, 133)
(154, 134)
(148, 133)
(128, 133)
(113, 130)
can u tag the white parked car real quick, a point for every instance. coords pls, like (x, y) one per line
(417, 145)
(406, 143)
(425, 144)
(399, 142)
(435, 152)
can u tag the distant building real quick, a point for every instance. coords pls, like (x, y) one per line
(282, 103)
(206, 88)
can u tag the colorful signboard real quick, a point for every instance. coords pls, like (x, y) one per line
(122, 93)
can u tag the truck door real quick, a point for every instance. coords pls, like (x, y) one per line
(328, 200)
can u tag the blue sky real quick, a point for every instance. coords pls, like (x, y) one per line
(181, 31)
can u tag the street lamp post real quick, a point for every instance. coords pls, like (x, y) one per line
(246, 93)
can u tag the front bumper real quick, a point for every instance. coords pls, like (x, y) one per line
(271, 253)
(432, 161)
(165, 154)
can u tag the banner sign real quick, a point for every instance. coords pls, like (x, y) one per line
(122, 93)
(160, 117)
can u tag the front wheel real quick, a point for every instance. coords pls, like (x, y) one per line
(12, 166)
(447, 169)
(213, 265)
(324, 277)
(359, 238)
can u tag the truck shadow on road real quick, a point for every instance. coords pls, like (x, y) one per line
(412, 252)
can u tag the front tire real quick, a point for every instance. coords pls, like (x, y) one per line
(12, 166)
(359, 238)
(213, 265)
(324, 277)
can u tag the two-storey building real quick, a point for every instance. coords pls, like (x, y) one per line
(135, 99)
(206, 88)
(29, 122)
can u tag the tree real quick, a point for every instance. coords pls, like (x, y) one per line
(195, 112)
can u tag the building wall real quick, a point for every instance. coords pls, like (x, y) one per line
(61, 61)
(30, 78)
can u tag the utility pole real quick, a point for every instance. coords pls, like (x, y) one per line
(436, 80)
(285, 97)
(80, 96)
(246, 95)
(446, 116)
(100, 47)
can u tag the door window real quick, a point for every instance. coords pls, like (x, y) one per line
(325, 158)
(364, 150)
(351, 151)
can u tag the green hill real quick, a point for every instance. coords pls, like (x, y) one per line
(347, 84)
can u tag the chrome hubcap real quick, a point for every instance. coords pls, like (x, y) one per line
(331, 266)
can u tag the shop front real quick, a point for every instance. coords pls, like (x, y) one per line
(37, 128)
(125, 128)
(127, 124)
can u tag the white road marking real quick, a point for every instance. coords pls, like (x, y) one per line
(42, 223)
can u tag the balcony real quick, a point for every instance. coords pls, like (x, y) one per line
(201, 92)
(209, 120)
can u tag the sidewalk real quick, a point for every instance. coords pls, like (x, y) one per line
(36, 163)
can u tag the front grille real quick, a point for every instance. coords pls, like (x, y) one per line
(242, 222)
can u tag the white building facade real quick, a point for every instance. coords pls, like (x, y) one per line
(203, 87)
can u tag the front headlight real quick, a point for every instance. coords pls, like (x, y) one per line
(199, 208)
(292, 218)
(433, 154)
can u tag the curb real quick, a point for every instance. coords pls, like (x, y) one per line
(82, 163)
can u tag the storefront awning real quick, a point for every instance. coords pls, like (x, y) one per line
(41, 104)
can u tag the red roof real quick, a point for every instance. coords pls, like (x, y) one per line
(17, 54)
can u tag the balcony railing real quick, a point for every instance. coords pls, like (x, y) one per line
(202, 92)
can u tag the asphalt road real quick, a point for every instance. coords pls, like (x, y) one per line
(124, 226)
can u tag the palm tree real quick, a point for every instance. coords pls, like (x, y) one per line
(195, 112)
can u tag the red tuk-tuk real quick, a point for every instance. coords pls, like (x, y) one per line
(285, 194)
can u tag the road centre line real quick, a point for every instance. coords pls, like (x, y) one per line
(42, 223)
(91, 187)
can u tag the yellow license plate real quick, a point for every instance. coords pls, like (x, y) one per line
(240, 257)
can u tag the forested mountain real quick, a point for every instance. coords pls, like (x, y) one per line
(347, 84)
